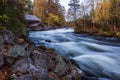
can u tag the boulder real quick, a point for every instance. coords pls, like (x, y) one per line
(65, 69)
(49, 41)
(75, 72)
(61, 67)
(41, 59)
(26, 69)
(16, 52)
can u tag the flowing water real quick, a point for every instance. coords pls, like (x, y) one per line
(98, 56)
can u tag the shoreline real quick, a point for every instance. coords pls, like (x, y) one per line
(105, 34)
(99, 34)
(25, 61)
(45, 28)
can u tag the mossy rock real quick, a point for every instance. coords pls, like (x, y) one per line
(42, 47)
(2, 28)
(51, 49)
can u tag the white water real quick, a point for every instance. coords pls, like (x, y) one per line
(96, 55)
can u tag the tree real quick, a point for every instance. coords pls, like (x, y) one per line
(40, 9)
(107, 12)
(84, 11)
(28, 6)
(114, 12)
(102, 11)
(3, 16)
(49, 9)
(74, 6)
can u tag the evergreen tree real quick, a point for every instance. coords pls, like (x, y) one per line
(3, 16)
(74, 6)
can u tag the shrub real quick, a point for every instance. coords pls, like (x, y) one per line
(2, 28)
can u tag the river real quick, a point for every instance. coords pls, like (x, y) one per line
(98, 56)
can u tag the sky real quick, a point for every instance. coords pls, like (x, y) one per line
(63, 3)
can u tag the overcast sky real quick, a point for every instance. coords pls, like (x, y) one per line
(65, 3)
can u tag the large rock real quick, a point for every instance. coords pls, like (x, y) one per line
(41, 59)
(66, 69)
(16, 52)
(26, 69)
(61, 67)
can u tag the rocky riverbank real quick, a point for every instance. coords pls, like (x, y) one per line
(21, 60)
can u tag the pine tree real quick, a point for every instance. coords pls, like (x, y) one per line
(74, 5)
(3, 16)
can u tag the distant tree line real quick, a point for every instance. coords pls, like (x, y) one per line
(98, 16)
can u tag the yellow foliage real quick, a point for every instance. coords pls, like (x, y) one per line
(40, 8)
(53, 18)
(102, 11)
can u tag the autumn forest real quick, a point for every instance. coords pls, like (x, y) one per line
(91, 16)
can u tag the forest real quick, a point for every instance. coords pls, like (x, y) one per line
(12, 13)
(91, 16)
(51, 12)
(99, 17)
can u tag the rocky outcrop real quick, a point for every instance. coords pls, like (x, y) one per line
(27, 62)
(65, 69)
(26, 69)
(16, 52)
(45, 66)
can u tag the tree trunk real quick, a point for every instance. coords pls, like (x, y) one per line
(93, 14)
(74, 13)
(114, 24)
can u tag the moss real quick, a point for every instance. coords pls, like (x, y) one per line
(51, 49)
(2, 28)
(42, 47)
(118, 33)
(107, 33)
